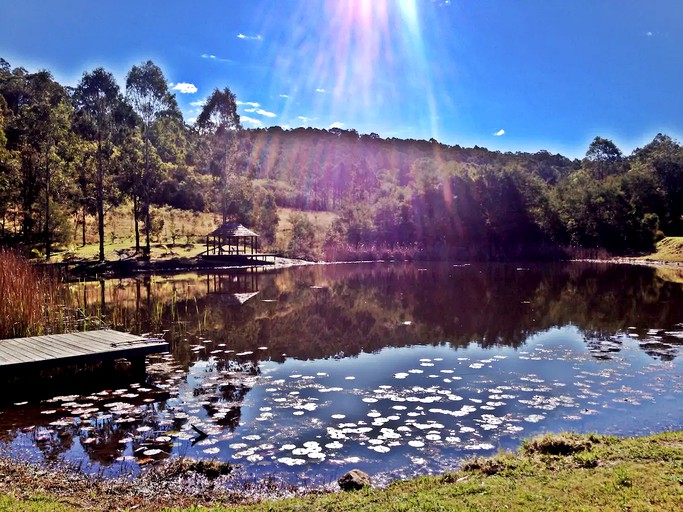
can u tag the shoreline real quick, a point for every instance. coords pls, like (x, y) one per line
(570, 471)
(170, 484)
(126, 268)
(123, 268)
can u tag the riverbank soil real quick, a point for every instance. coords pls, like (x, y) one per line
(567, 472)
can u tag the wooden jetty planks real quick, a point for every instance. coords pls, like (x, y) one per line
(43, 345)
(75, 348)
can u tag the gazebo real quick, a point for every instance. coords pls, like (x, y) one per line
(231, 239)
(234, 288)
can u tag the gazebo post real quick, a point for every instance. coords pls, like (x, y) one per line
(232, 239)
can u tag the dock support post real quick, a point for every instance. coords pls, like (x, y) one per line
(137, 367)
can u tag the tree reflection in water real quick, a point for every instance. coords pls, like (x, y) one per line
(222, 326)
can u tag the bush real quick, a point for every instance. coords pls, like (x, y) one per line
(301, 244)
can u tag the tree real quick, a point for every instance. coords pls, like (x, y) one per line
(266, 218)
(303, 236)
(9, 167)
(99, 108)
(40, 121)
(147, 92)
(131, 164)
(602, 156)
(219, 123)
(664, 156)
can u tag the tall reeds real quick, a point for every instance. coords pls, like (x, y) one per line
(28, 298)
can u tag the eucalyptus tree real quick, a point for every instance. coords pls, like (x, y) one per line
(39, 117)
(8, 167)
(131, 162)
(148, 94)
(664, 158)
(602, 156)
(99, 106)
(218, 124)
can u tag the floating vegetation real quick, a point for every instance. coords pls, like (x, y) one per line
(397, 411)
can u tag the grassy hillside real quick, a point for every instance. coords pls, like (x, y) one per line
(180, 233)
(669, 249)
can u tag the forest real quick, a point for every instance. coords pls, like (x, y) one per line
(70, 154)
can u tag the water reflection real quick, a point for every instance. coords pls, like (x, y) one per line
(235, 288)
(395, 368)
(317, 312)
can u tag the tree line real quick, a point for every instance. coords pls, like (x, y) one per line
(69, 154)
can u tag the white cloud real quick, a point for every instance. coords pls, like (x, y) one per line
(192, 120)
(648, 34)
(499, 133)
(248, 103)
(320, 89)
(305, 119)
(265, 113)
(198, 103)
(250, 120)
(184, 88)
(337, 124)
(211, 56)
(257, 37)
(284, 96)
(254, 110)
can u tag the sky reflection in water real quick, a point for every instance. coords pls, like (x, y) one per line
(406, 408)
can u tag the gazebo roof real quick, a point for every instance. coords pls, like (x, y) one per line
(232, 229)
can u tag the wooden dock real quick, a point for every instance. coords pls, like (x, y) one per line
(57, 350)
(242, 258)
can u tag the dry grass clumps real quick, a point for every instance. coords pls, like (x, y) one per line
(211, 469)
(486, 466)
(28, 298)
(559, 444)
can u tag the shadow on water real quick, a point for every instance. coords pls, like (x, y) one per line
(69, 380)
(226, 328)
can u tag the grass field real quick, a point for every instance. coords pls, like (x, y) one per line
(567, 472)
(669, 249)
(556, 472)
(179, 233)
(321, 222)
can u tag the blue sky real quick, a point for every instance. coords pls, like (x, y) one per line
(511, 75)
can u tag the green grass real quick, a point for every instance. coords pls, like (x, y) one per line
(669, 249)
(186, 227)
(181, 234)
(567, 472)
(34, 504)
(590, 473)
(126, 249)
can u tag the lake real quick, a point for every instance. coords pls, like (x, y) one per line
(398, 369)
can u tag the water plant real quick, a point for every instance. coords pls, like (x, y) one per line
(30, 302)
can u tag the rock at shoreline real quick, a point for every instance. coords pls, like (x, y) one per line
(354, 480)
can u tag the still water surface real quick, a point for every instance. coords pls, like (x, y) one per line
(397, 369)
